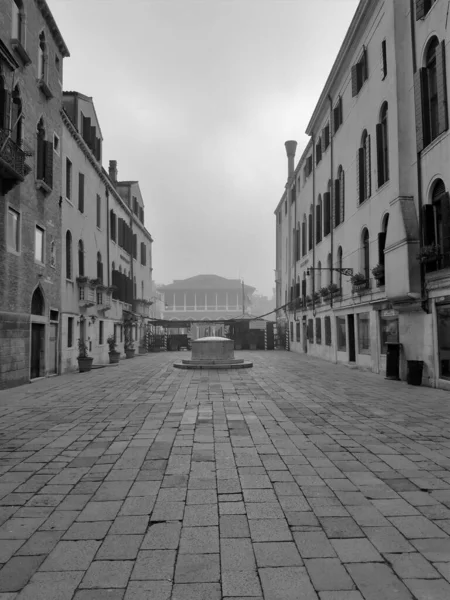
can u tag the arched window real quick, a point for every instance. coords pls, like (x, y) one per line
(432, 88)
(37, 302)
(319, 219)
(365, 246)
(310, 229)
(42, 57)
(436, 226)
(329, 267)
(81, 258)
(382, 146)
(382, 239)
(18, 22)
(319, 276)
(327, 210)
(364, 180)
(99, 267)
(16, 117)
(339, 260)
(68, 255)
(304, 234)
(40, 158)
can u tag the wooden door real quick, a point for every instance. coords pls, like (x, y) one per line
(37, 361)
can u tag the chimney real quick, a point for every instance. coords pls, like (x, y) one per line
(291, 147)
(113, 170)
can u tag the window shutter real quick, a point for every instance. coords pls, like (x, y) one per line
(380, 169)
(383, 60)
(365, 66)
(5, 105)
(48, 175)
(92, 138)
(86, 129)
(355, 80)
(445, 217)
(304, 287)
(342, 200)
(323, 141)
(341, 112)
(381, 245)
(297, 290)
(81, 192)
(336, 208)
(420, 99)
(120, 233)
(360, 175)
(134, 245)
(429, 236)
(368, 168)
(40, 157)
(441, 87)
(326, 215)
(420, 9)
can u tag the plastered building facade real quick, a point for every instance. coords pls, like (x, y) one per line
(355, 268)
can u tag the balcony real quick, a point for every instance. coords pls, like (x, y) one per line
(142, 307)
(12, 160)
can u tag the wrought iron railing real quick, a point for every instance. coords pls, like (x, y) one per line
(12, 155)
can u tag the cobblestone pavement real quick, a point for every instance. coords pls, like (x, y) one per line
(294, 480)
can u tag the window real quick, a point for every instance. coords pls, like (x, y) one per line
(99, 211)
(423, 7)
(337, 115)
(364, 333)
(318, 330)
(38, 303)
(318, 276)
(383, 60)
(381, 247)
(13, 230)
(16, 117)
(363, 162)
(325, 137)
(81, 258)
(101, 325)
(56, 143)
(339, 189)
(443, 331)
(360, 73)
(389, 331)
(44, 157)
(285, 207)
(319, 220)
(339, 257)
(329, 271)
(382, 146)
(113, 225)
(310, 331)
(68, 255)
(135, 289)
(436, 226)
(99, 267)
(318, 151)
(304, 236)
(68, 179)
(143, 254)
(42, 58)
(99, 297)
(135, 206)
(327, 331)
(18, 22)
(430, 92)
(310, 229)
(69, 332)
(81, 192)
(297, 331)
(141, 214)
(291, 330)
(4, 105)
(327, 211)
(341, 334)
(39, 244)
(365, 244)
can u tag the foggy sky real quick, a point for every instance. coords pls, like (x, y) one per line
(195, 100)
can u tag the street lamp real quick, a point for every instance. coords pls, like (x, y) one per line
(346, 272)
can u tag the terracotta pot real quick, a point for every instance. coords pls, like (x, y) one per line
(129, 353)
(85, 363)
(114, 357)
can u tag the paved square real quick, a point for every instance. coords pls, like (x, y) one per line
(297, 479)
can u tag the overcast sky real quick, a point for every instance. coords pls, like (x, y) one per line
(195, 100)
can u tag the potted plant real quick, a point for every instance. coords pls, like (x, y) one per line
(114, 356)
(82, 279)
(428, 253)
(316, 296)
(84, 360)
(308, 299)
(334, 289)
(129, 346)
(378, 273)
(359, 282)
(325, 293)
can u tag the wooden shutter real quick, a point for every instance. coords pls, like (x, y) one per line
(303, 238)
(48, 175)
(383, 60)
(297, 290)
(441, 88)
(99, 212)
(341, 112)
(120, 233)
(40, 157)
(112, 234)
(445, 220)
(421, 102)
(336, 208)
(368, 169)
(326, 213)
(429, 236)
(304, 287)
(381, 245)
(134, 245)
(380, 166)
(81, 192)
(342, 200)
(420, 9)
(92, 138)
(360, 175)
(318, 224)
(323, 140)
(86, 129)
(355, 89)
(5, 107)
(365, 66)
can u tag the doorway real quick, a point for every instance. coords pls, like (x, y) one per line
(37, 363)
(52, 349)
(351, 339)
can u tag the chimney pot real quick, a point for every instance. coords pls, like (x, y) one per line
(291, 147)
(113, 170)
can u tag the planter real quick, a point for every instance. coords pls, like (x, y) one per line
(253, 346)
(85, 363)
(129, 353)
(114, 357)
(360, 287)
(155, 349)
(380, 281)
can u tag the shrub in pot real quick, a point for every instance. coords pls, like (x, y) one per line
(129, 346)
(84, 360)
(114, 355)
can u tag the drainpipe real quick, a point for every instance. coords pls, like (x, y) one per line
(313, 137)
(419, 164)
(107, 234)
(291, 147)
(332, 198)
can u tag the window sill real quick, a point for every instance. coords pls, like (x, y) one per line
(42, 185)
(39, 263)
(434, 143)
(42, 85)
(69, 280)
(20, 50)
(69, 201)
(383, 185)
(13, 251)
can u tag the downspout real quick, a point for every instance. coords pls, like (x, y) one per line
(419, 166)
(291, 147)
(332, 198)
(107, 234)
(313, 137)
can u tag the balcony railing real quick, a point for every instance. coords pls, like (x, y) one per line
(12, 158)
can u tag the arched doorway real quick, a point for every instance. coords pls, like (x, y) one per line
(37, 349)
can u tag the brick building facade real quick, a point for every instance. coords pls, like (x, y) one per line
(31, 69)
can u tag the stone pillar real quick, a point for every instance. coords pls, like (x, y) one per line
(265, 338)
(195, 300)
(185, 302)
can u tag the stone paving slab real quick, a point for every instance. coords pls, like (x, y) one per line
(297, 479)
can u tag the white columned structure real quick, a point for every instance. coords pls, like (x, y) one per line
(226, 301)
(195, 300)
(184, 301)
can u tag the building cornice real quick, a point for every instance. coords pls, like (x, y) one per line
(51, 23)
(99, 170)
(364, 10)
